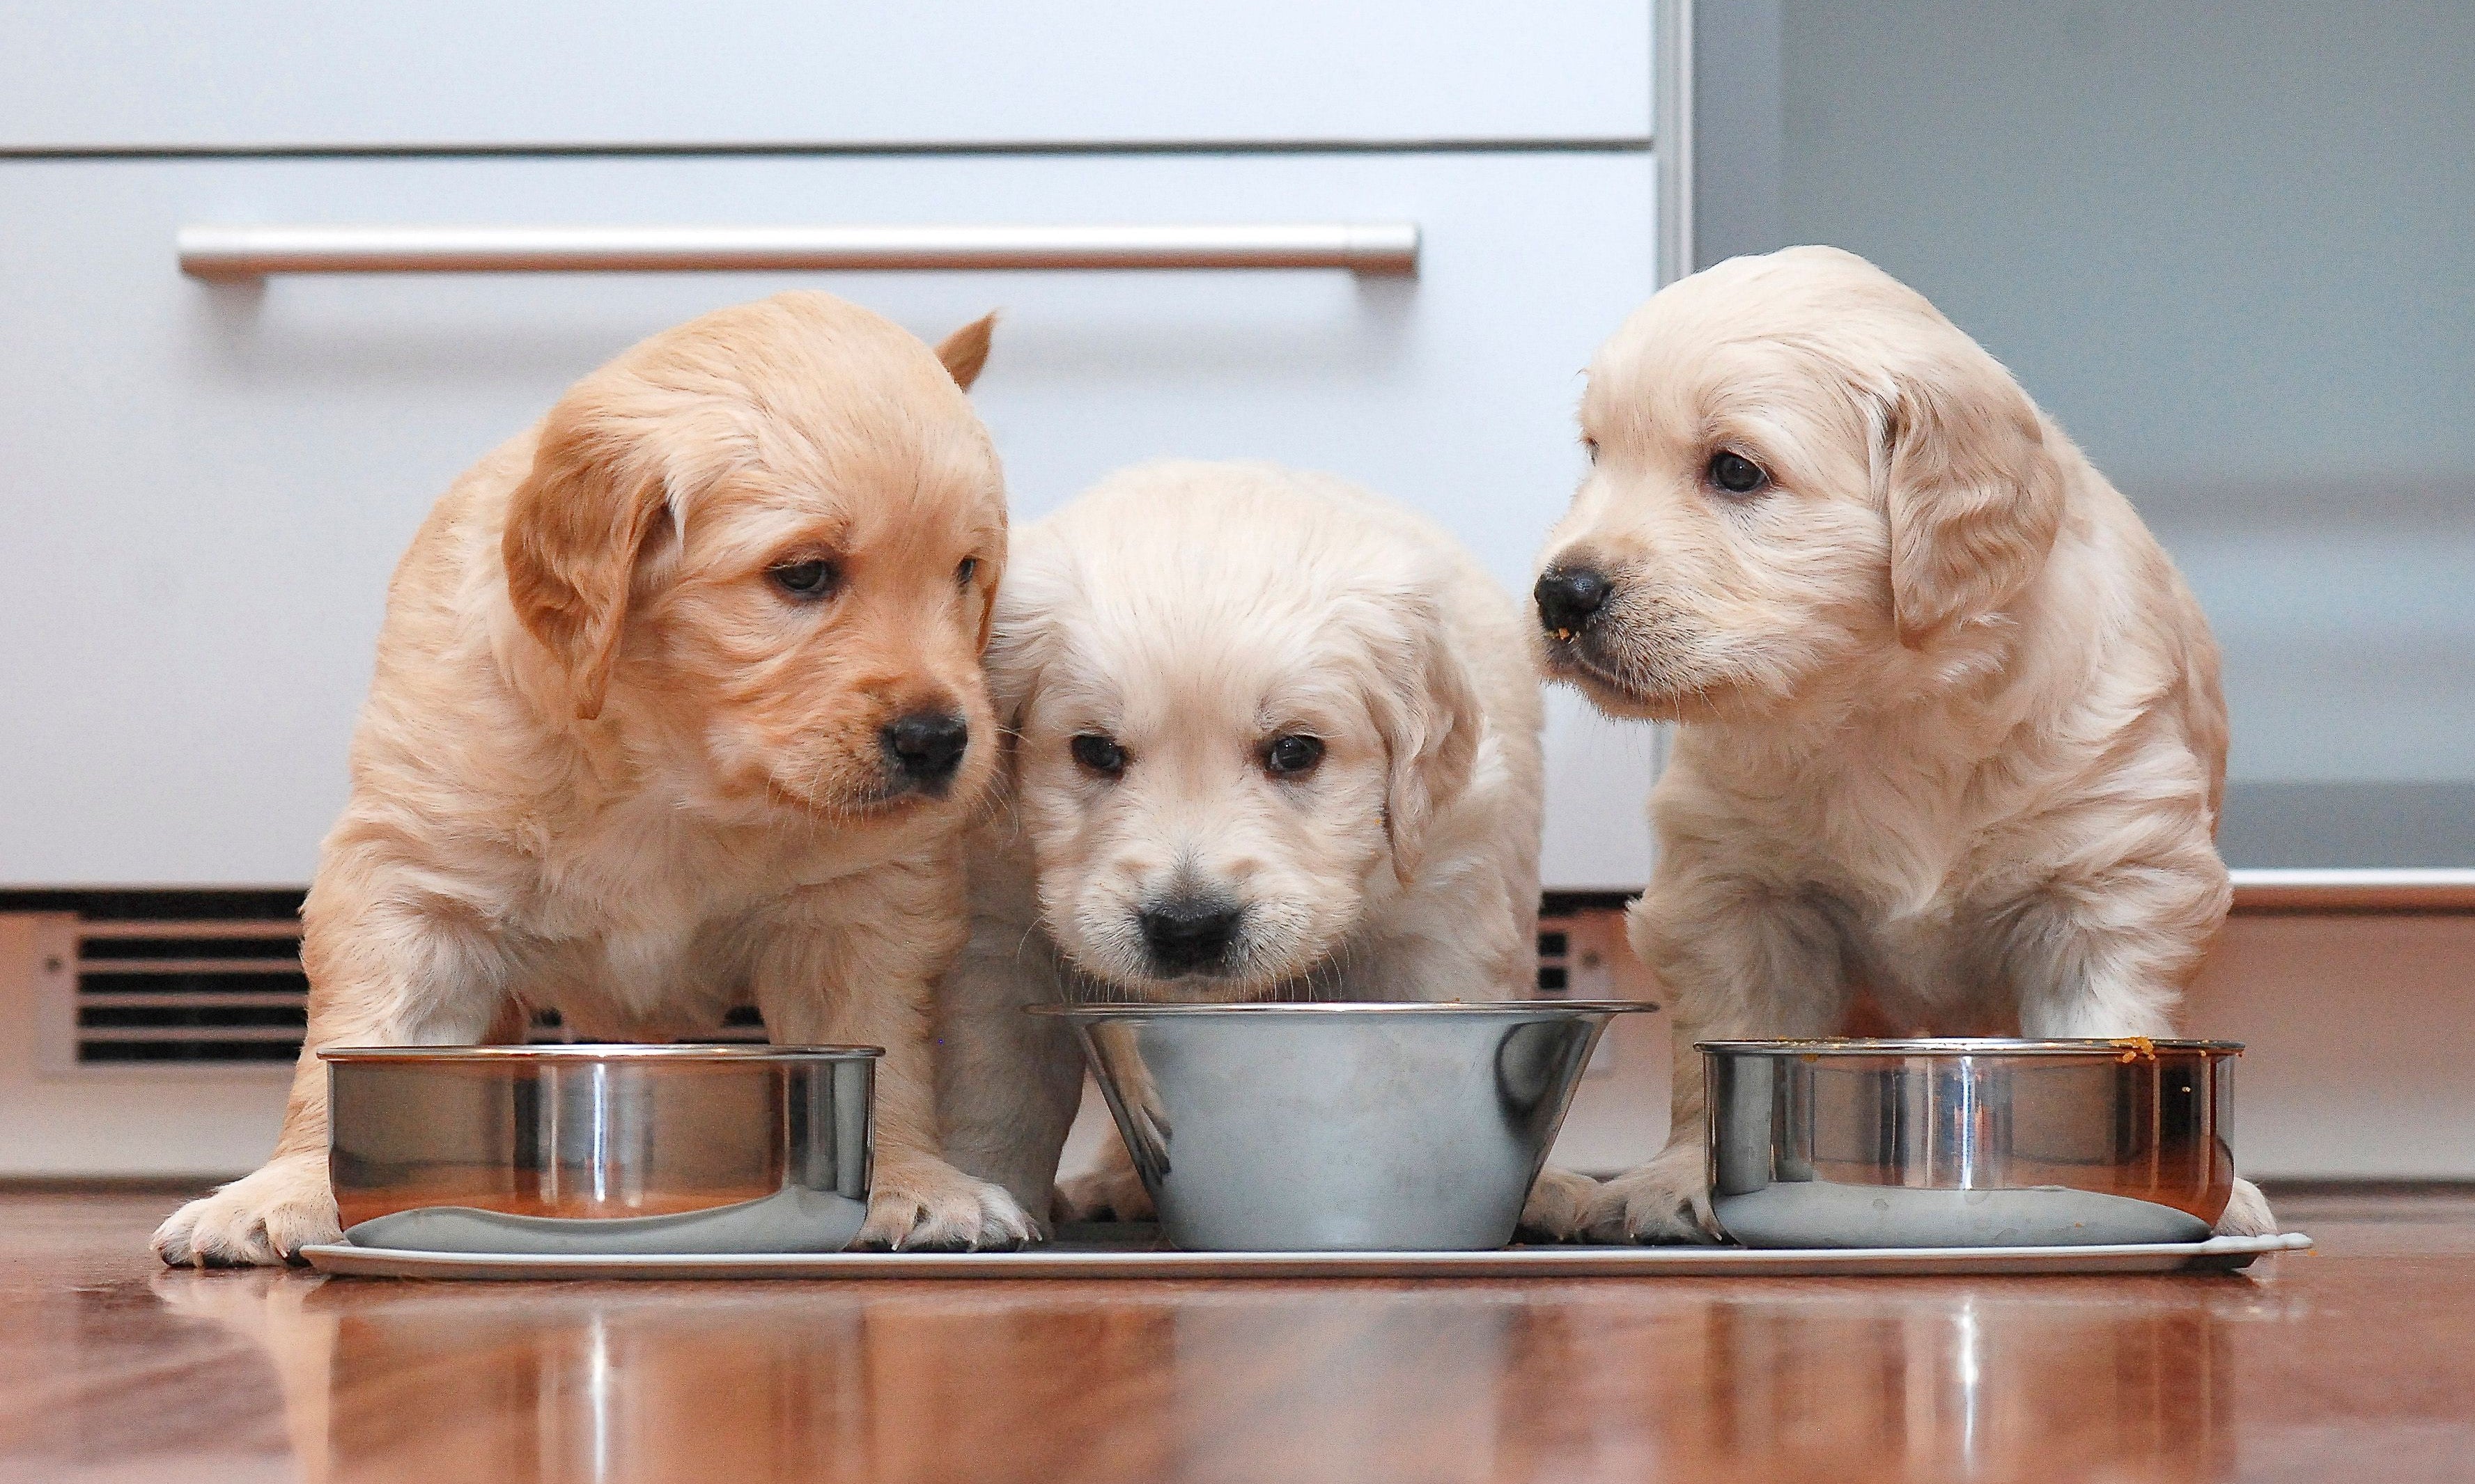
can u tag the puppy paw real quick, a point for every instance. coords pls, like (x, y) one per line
(1104, 1195)
(928, 1206)
(260, 1220)
(1666, 1201)
(1558, 1206)
(2247, 1213)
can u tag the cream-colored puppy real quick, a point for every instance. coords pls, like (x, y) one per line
(1273, 738)
(1949, 726)
(678, 705)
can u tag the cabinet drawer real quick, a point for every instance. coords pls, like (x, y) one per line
(208, 484)
(314, 74)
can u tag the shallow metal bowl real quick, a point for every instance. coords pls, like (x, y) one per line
(1339, 1126)
(1968, 1142)
(604, 1148)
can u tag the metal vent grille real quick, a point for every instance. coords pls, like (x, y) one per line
(201, 979)
(1555, 957)
(229, 991)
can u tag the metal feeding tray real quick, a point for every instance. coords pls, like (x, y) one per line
(1138, 1251)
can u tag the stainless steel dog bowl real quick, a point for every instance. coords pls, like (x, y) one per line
(1339, 1126)
(608, 1149)
(1967, 1143)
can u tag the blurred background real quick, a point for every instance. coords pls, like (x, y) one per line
(2225, 245)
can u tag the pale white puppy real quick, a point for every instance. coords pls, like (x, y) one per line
(1949, 724)
(1273, 737)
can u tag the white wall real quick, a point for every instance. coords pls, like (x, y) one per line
(2360, 1033)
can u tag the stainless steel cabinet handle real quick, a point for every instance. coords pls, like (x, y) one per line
(256, 252)
(2353, 891)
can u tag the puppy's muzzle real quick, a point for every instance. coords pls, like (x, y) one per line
(1185, 934)
(924, 749)
(1570, 597)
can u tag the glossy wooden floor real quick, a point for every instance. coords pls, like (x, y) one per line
(2357, 1362)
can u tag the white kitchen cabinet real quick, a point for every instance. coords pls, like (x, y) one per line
(466, 74)
(205, 485)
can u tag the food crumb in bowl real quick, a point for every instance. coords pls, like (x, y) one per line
(2136, 1048)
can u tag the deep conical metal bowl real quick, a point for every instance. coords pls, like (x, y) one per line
(1339, 1126)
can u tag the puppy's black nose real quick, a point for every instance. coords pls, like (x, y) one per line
(1569, 598)
(1185, 932)
(925, 747)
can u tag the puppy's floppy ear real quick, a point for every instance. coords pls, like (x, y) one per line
(965, 351)
(1018, 641)
(996, 583)
(987, 621)
(1973, 492)
(1431, 721)
(575, 528)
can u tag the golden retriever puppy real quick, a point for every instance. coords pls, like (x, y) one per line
(679, 706)
(1948, 726)
(1272, 737)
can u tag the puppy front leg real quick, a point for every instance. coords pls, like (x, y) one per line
(2080, 973)
(1111, 1192)
(2112, 961)
(1557, 1208)
(1008, 1084)
(382, 974)
(1738, 960)
(859, 966)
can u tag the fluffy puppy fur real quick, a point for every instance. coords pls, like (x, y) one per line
(1272, 737)
(1949, 725)
(634, 745)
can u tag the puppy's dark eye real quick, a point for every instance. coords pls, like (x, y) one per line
(1293, 755)
(1100, 754)
(964, 574)
(809, 579)
(1735, 473)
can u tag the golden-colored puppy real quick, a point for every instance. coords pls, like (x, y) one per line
(1273, 738)
(1951, 727)
(679, 706)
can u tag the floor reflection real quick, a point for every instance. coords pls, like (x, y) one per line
(435, 1381)
(878, 1380)
(1995, 1383)
(1340, 1387)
